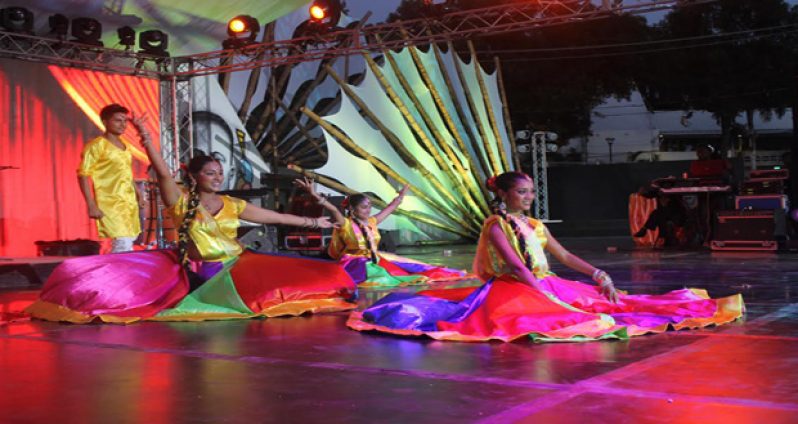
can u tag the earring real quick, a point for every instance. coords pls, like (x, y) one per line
(502, 205)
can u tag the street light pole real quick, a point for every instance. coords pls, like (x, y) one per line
(610, 140)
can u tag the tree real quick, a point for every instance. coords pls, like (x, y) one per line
(734, 57)
(552, 90)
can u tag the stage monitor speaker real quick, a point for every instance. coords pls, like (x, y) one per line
(261, 238)
(748, 230)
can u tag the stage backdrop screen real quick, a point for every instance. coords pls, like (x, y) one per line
(47, 114)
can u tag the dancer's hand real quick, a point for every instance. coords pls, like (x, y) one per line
(307, 184)
(324, 222)
(95, 212)
(139, 123)
(404, 189)
(606, 287)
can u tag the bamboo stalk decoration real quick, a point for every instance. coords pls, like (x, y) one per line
(334, 185)
(488, 107)
(495, 167)
(472, 195)
(484, 165)
(302, 129)
(275, 87)
(507, 121)
(389, 135)
(384, 168)
(450, 125)
(420, 134)
(254, 75)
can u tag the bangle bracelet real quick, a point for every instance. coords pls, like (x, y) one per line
(596, 272)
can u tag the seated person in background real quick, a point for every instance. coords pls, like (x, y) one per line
(709, 165)
(670, 218)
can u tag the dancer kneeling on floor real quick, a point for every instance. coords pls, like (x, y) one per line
(522, 297)
(154, 284)
(355, 240)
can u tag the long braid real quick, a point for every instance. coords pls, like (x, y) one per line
(518, 233)
(184, 238)
(351, 202)
(505, 182)
(367, 237)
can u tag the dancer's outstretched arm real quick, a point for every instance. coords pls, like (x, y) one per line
(170, 192)
(578, 264)
(381, 215)
(307, 184)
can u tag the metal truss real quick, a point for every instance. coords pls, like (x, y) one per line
(540, 174)
(68, 53)
(433, 29)
(176, 73)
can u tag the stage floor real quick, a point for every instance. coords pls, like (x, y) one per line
(313, 369)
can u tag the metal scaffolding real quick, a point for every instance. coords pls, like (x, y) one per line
(176, 73)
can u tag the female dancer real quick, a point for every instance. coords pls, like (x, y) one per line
(355, 240)
(521, 297)
(154, 285)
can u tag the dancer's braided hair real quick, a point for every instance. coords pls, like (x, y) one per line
(350, 203)
(505, 182)
(183, 237)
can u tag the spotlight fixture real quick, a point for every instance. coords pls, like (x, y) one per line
(59, 25)
(16, 19)
(325, 12)
(127, 37)
(87, 31)
(242, 31)
(154, 42)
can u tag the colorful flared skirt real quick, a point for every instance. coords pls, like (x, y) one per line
(397, 271)
(150, 285)
(505, 309)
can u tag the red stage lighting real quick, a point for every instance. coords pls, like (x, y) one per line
(317, 12)
(325, 12)
(243, 31)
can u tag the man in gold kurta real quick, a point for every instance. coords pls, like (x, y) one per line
(106, 163)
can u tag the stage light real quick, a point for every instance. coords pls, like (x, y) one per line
(242, 31)
(326, 12)
(154, 42)
(87, 31)
(127, 37)
(59, 25)
(16, 19)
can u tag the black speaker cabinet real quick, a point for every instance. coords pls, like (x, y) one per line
(78, 247)
(745, 230)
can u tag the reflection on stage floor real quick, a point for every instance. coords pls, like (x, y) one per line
(312, 368)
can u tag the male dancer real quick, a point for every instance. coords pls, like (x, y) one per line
(115, 200)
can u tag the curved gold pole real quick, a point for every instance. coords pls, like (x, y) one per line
(420, 135)
(450, 125)
(329, 182)
(507, 121)
(488, 107)
(464, 185)
(495, 167)
(484, 165)
(393, 140)
(385, 169)
(389, 135)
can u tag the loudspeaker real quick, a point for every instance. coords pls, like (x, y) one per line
(78, 247)
(746, 230)
(262, 238)
(745, 225)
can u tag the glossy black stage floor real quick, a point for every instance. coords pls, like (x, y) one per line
(313, 369)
